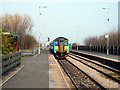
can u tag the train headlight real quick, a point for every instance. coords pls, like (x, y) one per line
(66, 49)
(56, 50)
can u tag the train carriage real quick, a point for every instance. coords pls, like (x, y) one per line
(60, 47)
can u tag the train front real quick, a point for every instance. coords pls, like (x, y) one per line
(61, 47)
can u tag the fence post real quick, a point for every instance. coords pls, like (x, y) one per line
(118, 50)
(12, 57)
(33, 52)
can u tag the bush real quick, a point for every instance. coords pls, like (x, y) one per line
(8, 42)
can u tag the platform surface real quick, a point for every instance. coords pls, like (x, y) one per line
(33, 75)
(56, 76)
(100, 54)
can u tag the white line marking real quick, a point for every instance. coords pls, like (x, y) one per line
(62, 74)
(12, 75)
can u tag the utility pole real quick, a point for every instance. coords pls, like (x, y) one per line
(77, 36)
(107, 36)
(39, 24)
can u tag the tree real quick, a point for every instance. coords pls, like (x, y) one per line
(19, 25)
(102, 41)
(29, 41)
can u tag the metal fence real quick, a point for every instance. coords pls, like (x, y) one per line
(9, 61)
(114, 50)
(29, 52)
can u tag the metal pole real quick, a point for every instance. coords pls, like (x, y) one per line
(108, 34)
(39, 28)
(77, 36)
(71, 46)
(108, 45)
(77, 46)
(39, 23)
(39, 44)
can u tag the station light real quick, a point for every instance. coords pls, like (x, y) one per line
(48, 39)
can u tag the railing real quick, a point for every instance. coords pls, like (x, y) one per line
(9, 61)
(114, 50)
(29, 52)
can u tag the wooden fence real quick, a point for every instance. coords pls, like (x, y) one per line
(114, 50)
(29, 52)
(9, 61)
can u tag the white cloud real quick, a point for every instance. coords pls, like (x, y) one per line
(59, 1)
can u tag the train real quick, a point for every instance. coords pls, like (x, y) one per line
(60, 47)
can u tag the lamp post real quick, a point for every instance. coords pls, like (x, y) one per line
(39, 23)
(107, 36)
(77, 36)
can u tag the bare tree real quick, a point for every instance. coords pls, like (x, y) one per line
(19, 25)
(102, 41)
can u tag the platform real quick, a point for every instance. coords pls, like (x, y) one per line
(112, 57)
(33, 75)
(56, 76)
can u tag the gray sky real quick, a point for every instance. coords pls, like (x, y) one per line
(60, 18)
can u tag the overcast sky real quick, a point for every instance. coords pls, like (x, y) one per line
(61, 17)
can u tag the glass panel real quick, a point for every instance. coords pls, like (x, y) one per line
(61, 43)
(56, 43)
(66, 42)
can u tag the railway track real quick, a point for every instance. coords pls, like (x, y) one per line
(105, 70)
(79, 78)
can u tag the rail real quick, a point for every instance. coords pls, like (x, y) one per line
(73, 79)
(100, 68)
(104, 61)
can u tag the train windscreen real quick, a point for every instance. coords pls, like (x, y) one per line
(61, 42)
(66, 42)
(56, 43)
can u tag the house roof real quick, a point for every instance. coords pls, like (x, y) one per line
(15, 35)
(11, 34)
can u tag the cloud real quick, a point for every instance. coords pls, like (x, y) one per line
(59, 1)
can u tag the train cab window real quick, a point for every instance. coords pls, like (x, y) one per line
(61, 43)
(56, 43)
(50, 44)
(66, 43)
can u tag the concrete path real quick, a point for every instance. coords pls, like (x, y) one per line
(33, 75)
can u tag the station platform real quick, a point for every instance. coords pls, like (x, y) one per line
(105, 56)
(56, 76)
(33, 75)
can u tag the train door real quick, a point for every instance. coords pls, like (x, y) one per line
(61, 46)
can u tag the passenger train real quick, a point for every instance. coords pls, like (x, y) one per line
(60, 47)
